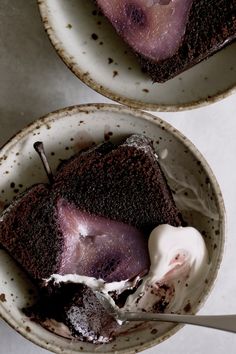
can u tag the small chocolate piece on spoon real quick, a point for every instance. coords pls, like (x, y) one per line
(38, 146)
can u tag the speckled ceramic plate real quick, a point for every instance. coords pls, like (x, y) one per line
(64, 133)
(93, 51)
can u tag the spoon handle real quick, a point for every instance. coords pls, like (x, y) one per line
(223, 322)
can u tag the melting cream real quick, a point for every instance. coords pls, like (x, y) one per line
(179, 263)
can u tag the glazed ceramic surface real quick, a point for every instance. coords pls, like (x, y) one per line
(94, 52)
(66, 132)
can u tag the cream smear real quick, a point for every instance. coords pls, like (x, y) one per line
(179, 263)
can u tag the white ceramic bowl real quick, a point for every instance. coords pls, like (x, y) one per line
(67, 131)
(107, 65)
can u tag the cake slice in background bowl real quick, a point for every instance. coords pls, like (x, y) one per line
(67, 131)
(91, 48)
(171, 36)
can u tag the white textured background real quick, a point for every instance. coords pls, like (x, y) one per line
(34, 81)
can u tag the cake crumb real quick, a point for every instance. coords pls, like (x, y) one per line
(3, 298)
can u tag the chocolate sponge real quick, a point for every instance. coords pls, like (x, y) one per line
(123, 183)
(211, 26)
(28, 231)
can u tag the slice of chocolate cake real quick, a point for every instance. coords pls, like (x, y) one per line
(92, 221)
(102, 193)
(170, 36)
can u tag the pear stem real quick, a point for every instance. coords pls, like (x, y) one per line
(38, 146)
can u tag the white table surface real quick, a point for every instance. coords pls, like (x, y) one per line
(34, 81)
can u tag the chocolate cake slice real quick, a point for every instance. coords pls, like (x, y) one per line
(170, 36)
(92, 220)
(102, 193)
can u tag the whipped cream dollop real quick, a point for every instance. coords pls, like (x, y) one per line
(179, 263)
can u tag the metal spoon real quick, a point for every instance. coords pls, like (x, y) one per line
(222, 322)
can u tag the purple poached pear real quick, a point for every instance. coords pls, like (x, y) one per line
(169, 36)
(153, 28)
